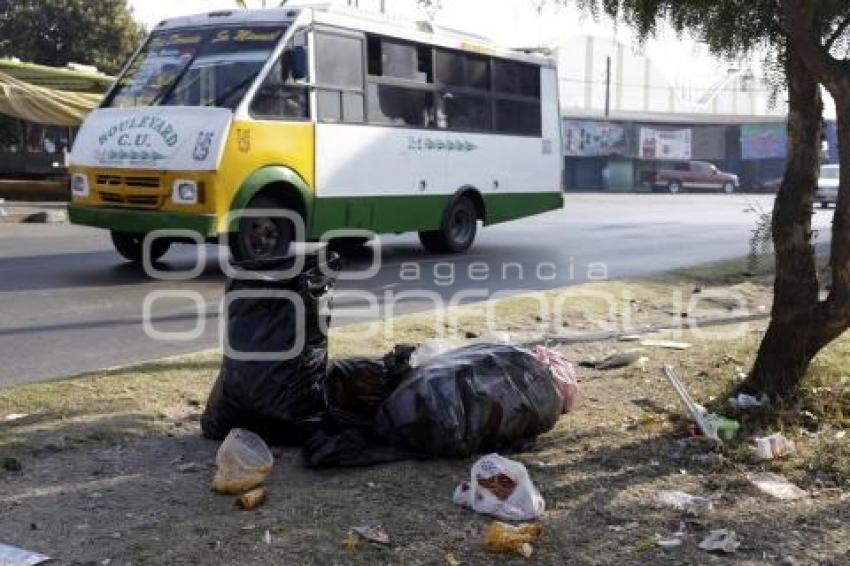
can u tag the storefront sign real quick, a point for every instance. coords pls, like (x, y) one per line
(665, 144)
(764, 141)
(583, 138)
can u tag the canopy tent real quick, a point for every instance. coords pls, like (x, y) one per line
(47, 95)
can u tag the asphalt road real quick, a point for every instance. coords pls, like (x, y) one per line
(69, 304)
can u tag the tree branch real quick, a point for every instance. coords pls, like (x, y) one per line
(842, 27)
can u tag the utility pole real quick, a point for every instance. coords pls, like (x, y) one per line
(607, 86)
(383, 6)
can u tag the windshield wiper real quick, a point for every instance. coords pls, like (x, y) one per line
(220, 100)
(166, 93)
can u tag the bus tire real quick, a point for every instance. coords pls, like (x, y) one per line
(131, 246)
(261, 237)
(457, 233)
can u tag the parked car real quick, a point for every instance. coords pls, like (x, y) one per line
(827, 192)
(693, 175)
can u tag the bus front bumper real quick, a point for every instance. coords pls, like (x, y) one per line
(140, 221)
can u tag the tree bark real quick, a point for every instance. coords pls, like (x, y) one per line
(790, 342)
(801, 325)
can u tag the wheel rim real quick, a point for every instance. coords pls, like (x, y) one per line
(674, 188)
(462, 225)
(262, 237)
(728, 188)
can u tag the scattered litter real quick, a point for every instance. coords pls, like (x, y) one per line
(630, 338)
(189, 468)
(776, 486)
(20, 557)
(452, 560)
(840, 434)
(725, 428)
(243, 462)
(564, 374)
(3, 212)
(11, 465)
(774, 446)
(15, 417)
(351, 541)
(693, 408)
(673, 540)
(502, 488)
(615, 361)
(691, 504)
(666, 344)
(372, 531)
(624, 528)
(710, 459)
(252, 499)
(743, 401)
(267, 537)
(513, 539)
(721, 540)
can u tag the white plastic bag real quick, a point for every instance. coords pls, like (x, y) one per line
(502, 488)
(243, 462)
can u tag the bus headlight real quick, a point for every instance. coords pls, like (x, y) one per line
(79, 185)
(185, 192)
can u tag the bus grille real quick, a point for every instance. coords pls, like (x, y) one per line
(116, 181)
(141, 201)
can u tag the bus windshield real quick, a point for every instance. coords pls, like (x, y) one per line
(195, 67)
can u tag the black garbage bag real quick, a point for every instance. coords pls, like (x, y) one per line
(356, 387)
(479, 398)
(276, 398)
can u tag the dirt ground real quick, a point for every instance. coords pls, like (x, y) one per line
(129, 484)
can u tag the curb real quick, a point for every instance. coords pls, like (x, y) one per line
(26, 213)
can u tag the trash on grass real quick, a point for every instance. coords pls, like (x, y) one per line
(430, 349)
(721, 540)
(502, 488)
(477, 399)
(774, 446)
(673, 540)
(665, 344)
(372, 531)
(452, 560)
(252, 499)
(563, 372)
(267, 537)
(710, 459)
(513, 539)
(15, 417)
(614, 361)
(690, 405)
(243, 462)
(776, 486)
(691, 504)
(19, 557)
(724, 428)
(274, 395)
(743, 401)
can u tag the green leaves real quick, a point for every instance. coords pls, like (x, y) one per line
(58, 32)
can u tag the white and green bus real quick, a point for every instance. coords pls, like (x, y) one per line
(345, 119)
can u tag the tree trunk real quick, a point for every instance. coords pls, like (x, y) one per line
(792, 339)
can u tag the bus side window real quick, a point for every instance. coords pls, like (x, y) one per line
(339, 78)
(283, 96)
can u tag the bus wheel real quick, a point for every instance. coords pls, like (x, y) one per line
(131, 246)
(261, 237)
(458, 230)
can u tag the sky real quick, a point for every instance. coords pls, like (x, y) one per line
(515, 23)
(510, 22)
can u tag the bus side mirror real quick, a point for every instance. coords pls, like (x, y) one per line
(299, 63)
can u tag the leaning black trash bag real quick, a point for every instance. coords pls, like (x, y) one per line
(480, 398)
(276, 398)
(356, 387)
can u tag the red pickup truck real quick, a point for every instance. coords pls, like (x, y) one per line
(692, 175)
